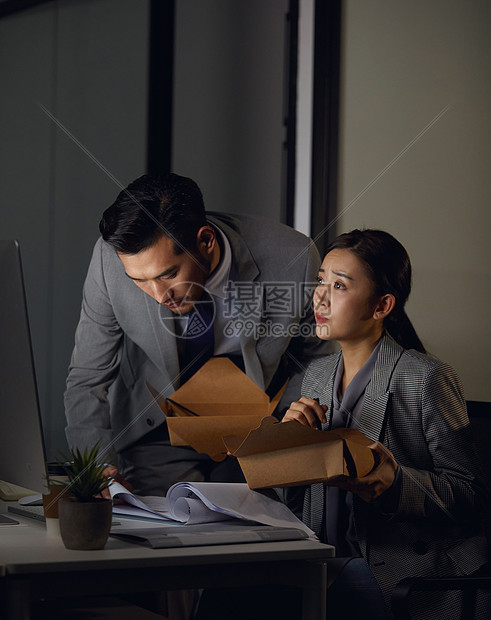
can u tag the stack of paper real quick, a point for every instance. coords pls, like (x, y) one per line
(206, 502)
(222, 533)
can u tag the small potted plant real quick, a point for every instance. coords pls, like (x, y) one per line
(85, 516)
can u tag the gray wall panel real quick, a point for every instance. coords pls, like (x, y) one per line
(101, 99)
(27, 58)
(86, 62)
(415, 152)
(228, 102)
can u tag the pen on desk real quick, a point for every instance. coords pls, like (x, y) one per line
(173, 402)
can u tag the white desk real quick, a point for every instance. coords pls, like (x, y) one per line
(34, 566)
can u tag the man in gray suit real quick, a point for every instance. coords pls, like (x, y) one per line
(168, 286)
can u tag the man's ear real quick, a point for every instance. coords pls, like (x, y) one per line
(384, 306)
(206, 240)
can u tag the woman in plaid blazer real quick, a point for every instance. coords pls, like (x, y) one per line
(418, 512)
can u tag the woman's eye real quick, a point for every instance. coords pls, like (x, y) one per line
(339, 285)
(170, 276)
(320, 280)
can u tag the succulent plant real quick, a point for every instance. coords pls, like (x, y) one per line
(85, 473)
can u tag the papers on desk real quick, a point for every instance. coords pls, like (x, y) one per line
(206, 502)
(221, 533)
(126, 504)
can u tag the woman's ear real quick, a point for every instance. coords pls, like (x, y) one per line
(384, 307)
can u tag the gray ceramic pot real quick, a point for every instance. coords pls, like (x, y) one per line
(85, 525)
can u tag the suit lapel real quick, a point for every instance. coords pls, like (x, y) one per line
(165, 344)
(315, 495)
(252, 363)
(245, 269)
(372, 419)
(325, 397)
(371, 423)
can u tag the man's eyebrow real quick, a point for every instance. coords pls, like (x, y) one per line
(160, 275)
(342, 275)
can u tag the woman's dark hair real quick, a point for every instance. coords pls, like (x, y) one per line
(150, 207)
(388, 266)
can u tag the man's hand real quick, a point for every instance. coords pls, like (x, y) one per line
(307, 411)
(379, 480)
(111, 471)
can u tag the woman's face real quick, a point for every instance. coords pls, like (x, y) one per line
(344, 302)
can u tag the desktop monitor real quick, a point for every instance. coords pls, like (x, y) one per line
(22, 453)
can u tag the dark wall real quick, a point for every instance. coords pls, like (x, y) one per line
(72, 127)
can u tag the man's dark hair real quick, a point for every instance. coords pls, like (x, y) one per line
(153, 206)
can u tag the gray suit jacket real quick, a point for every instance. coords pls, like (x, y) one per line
(125, 338)
(415, 406)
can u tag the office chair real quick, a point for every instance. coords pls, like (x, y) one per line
(469, 585)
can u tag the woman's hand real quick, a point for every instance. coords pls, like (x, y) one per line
(307, 411)
(111, 471)
(379, 480)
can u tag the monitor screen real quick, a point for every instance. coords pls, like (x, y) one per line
(22, 453)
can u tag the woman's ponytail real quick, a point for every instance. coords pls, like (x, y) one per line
(401, 329)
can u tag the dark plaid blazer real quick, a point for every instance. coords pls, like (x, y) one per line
(415, 406)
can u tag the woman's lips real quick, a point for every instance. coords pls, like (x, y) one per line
(321, 319)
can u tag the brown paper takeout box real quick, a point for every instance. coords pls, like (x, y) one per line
(217, 400)
(287, 454)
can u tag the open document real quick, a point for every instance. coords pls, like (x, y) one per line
(206, 502)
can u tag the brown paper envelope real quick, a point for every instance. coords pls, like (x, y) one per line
(273, 435)
(159, 398)
(363, 459)
(204, 434)
(286, 454)
(221, 388)
(294, 466)
(276, 399)
(222, 394)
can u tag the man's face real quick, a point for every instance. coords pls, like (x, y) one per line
(173, 280)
